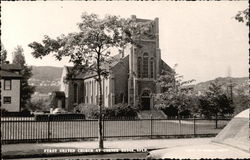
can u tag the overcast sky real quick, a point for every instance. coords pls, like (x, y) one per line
(201, 37)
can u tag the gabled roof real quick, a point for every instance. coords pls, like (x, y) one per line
(11, 67)
(10, 71)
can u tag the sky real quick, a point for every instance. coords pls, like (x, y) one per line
(201, 37)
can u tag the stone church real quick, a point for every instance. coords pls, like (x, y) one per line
(131, 79)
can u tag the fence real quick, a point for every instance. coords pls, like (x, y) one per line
(28, 129)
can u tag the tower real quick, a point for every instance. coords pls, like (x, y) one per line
(144, 68)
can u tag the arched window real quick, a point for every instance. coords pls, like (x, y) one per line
(75, 93)
(145, 65)
(152, 68)
(145, 93)
(139, 67)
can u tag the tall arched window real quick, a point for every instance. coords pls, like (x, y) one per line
(75, 93)
(145, 65)
(139, 67)
(152, 68)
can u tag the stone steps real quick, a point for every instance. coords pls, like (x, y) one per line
(156, 114)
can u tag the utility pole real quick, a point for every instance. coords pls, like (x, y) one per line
(230, 86)
(231, 90)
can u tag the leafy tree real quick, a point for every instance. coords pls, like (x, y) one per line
(3, 54)
(176, 96)
(215, 102)
(26, 73)
(241, 100)
(88, 48)
(39, 104)
(243, 16)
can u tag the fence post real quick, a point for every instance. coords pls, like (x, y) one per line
(151, 126)
(216, 121)
(48, 127)
(103, 125)
(194, 128)
(179, 125)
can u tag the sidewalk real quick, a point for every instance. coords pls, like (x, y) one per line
(88, 147)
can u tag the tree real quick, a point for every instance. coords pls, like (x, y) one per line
(3, 54)
(176, 94)
(241, 100)
(26, 73)
(88, 48)
(215, 102)
(243, 16)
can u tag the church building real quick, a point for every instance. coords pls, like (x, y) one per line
(132, 77)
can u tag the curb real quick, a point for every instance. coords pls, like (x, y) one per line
(77, 152)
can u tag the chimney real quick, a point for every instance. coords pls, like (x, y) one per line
(133, 16)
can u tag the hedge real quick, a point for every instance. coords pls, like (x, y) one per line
(24, 113)
(59, 117)
(117, 111)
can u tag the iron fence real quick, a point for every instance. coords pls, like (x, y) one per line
(28, 129)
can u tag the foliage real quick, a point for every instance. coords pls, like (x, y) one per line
(39, 105)
(176, 94)
(3, 110)
(26, 89)
(120, 111)
(243, 16)
(89, 110)
(215, 102)
(241, 101)
(3, 54)
(116, 112)
(87, 49)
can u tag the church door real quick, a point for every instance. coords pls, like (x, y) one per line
(145, 100)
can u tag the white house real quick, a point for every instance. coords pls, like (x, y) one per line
(10, 87)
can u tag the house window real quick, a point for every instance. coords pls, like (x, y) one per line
(7, 84)
(151, 68)
(139, 67)
(145, 65)
(7, 100)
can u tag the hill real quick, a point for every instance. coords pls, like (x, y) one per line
(45, 73)
(238, 83)
(46, 78)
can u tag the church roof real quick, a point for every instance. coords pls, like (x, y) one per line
(111, 62)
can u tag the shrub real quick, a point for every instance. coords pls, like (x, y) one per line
(16, 114)
(120, 111)
(59, 117)
(25, 112)
(89, 110)
(3, 111)
(117, 111)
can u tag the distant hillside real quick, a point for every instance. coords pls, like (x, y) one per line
(46, 73)
(46, 78)
(238, 83)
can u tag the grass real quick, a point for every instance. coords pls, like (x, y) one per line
(30, 129)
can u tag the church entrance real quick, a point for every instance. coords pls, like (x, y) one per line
(145, 100)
